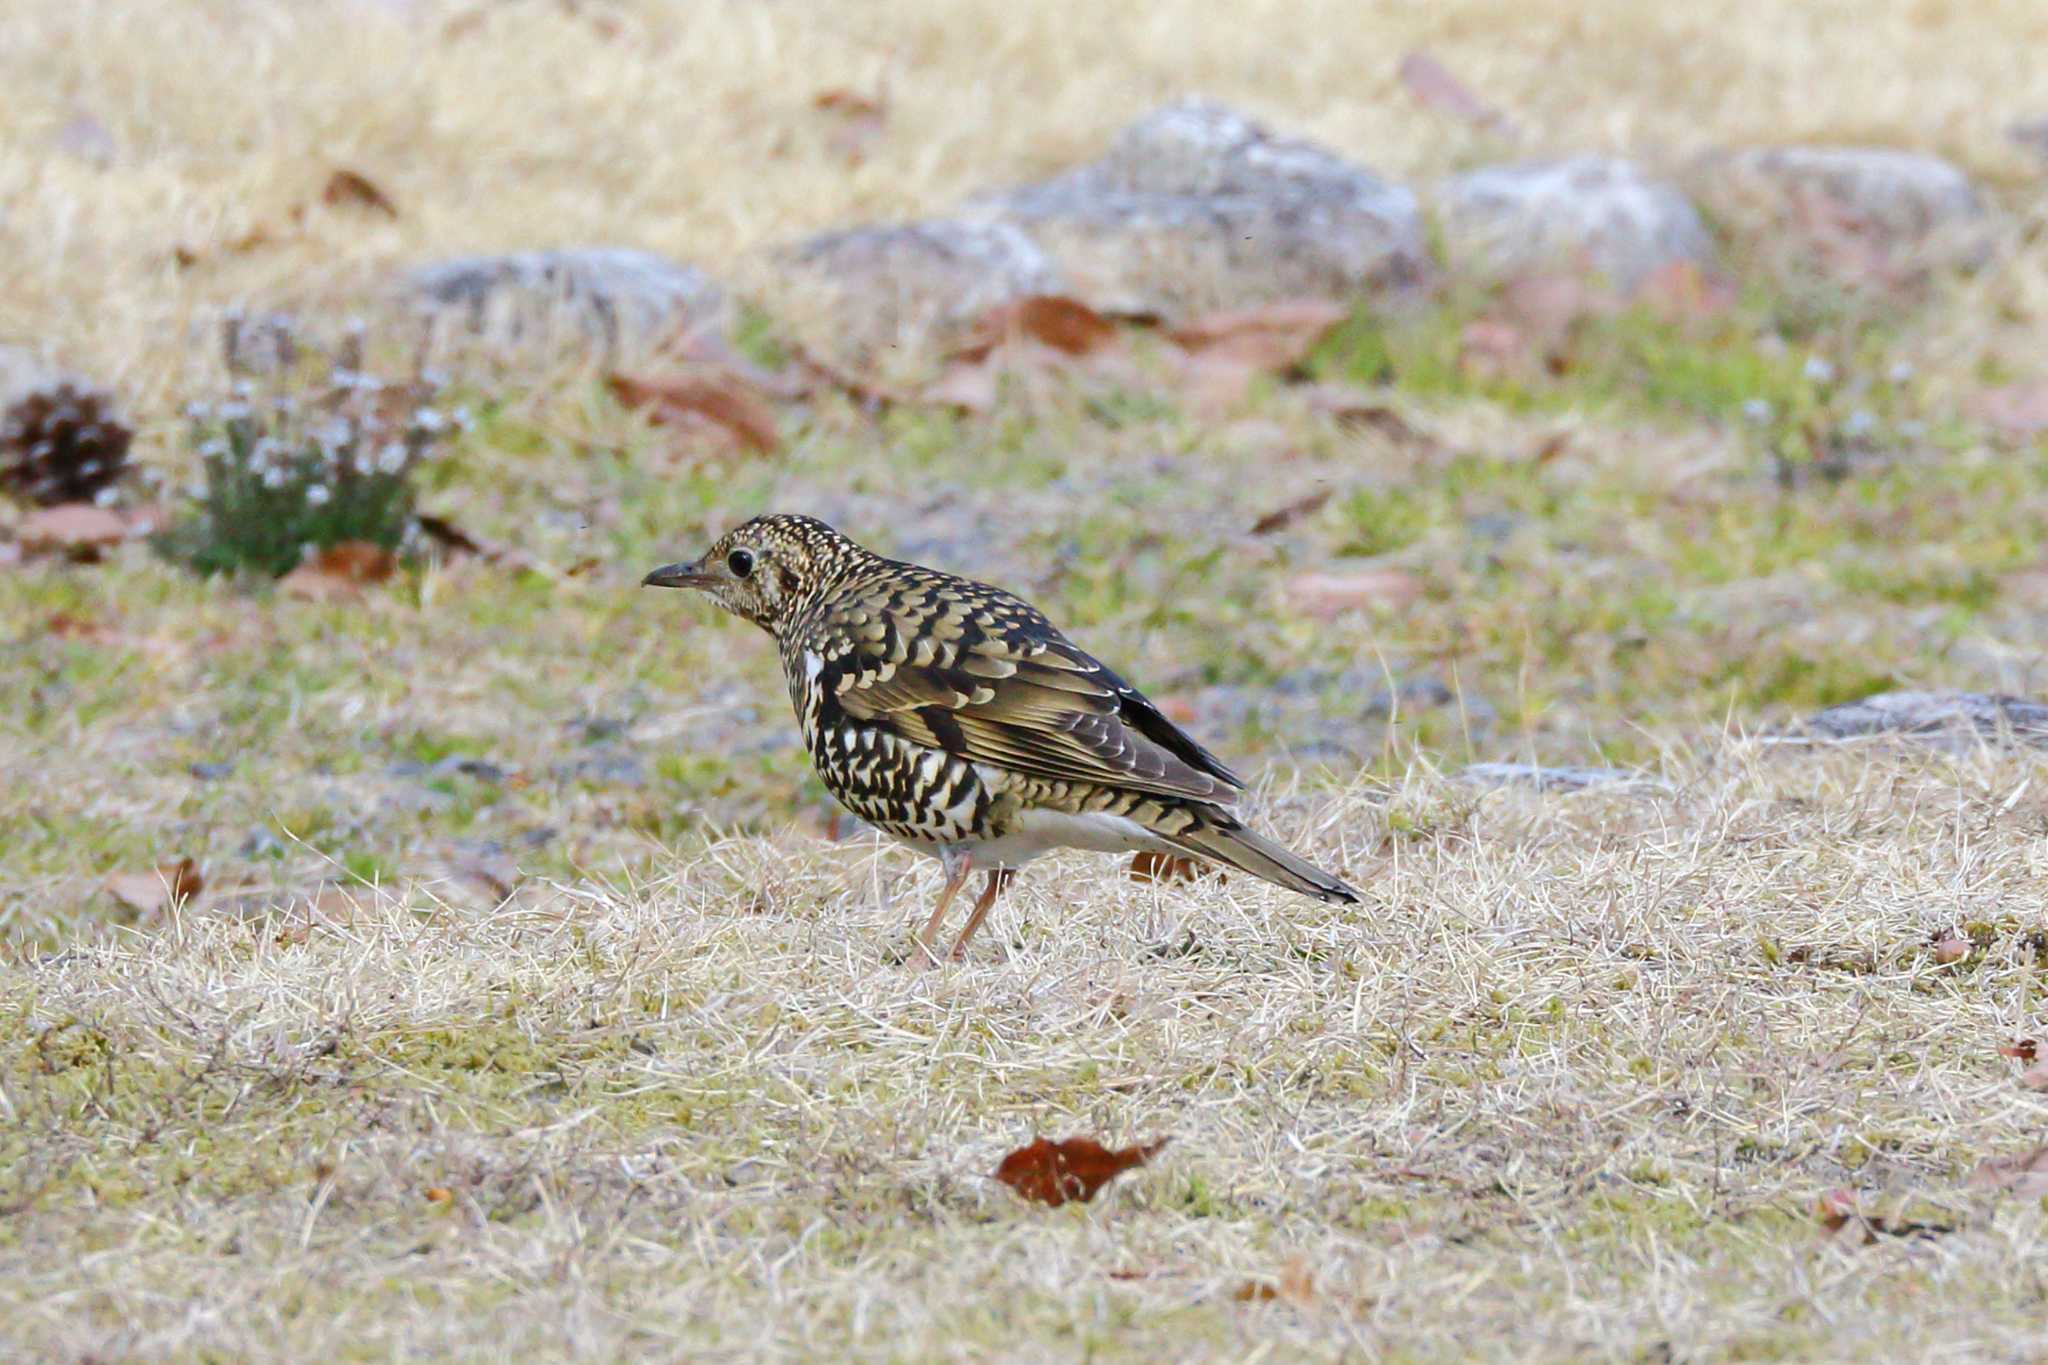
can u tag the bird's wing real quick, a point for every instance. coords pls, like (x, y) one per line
(971, 669)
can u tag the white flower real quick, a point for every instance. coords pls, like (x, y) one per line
(317, 494)
(428, 420)
(391, 458)
(1758, 411)
(1859, 423)
(1901, 373)
(1819, 370)
(274, 477)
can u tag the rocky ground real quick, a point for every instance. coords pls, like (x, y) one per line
(1587, 470)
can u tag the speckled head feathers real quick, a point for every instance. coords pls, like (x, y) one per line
(766, 569)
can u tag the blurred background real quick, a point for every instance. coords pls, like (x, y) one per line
(1379, 386)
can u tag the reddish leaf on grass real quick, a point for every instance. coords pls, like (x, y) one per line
(2026, 1049)
(341, 570)
(2025, 1175)
(76, 528)
(1055, 1172)
(1068, 326)
(148, 892)
(1434, 87)
(2035, 1077)
(1330, 595)
(1272, 338)
(1951, 948)
(970, 386)
(2014, 410)
(722, 399)
(1147, 866)
(352, 189)
(857, 121)
(1845, 1219)
(64, 626)
(1285, 515)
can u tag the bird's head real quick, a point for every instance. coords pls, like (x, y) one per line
(765, 570)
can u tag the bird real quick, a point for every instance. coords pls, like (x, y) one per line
(955, 717)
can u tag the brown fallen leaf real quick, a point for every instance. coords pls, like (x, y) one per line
(1489, 348)
(1055, 1172)
(437, 1194)
(2025, 1175)
(2026, 1049)
(1681, 291)
(1330, 595)
(1285, 515)
(161, 888)
(1226, 352)
(1951, 948)
(970, 386)
(1297, 1285)
(64, 626)
(456, 541)
(1147, 866)
(78, 529)
(341, 570)
(2014, 410)
(352, 189)
(1434, 87)
(1843, 1215)
(1066, 325)
(858, 121)
(720, 398)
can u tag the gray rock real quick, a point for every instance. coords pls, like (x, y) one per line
(1898, 202)
(2031, 134)
(610, 295)
(1602, 215)
(1949, 718)
(1196, 205)
(914, 284)
(1549, 779)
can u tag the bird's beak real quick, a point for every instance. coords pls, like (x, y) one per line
(690, 575)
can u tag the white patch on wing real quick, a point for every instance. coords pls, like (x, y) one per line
(813, 665)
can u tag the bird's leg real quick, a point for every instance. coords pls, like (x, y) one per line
(957, 866)
(997, 880)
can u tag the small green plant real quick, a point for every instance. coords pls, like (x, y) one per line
(309, 461)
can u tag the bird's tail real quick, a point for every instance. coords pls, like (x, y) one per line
(1221, 838)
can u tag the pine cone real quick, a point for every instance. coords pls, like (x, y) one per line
(62, 444)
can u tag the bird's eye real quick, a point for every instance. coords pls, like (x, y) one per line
(740, 562)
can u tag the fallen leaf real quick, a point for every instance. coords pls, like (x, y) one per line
(352, 189)
(1951, 948)
(1272, 338)
(720, 398)
(1434, 87)
(2035, 1077)
(2014, 410)
(1842, 1214)
(1297, 1285)
(1489, 348)
(2025, 1049)
(971, 386)
(1550, 447)
(341, 570)
(437, 1194)
(1329, 595)
(1285, 515)
(2025, 1175)
(80, 529)
(457, 541)
(148, 892)
(1147, 866)
(858, 121)
(1681, 290)
(1066, 325)
(1055, 1172)
(64, 626)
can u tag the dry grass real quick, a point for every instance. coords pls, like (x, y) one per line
(1569, 1082)
(687, 128)
(606, 1052)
